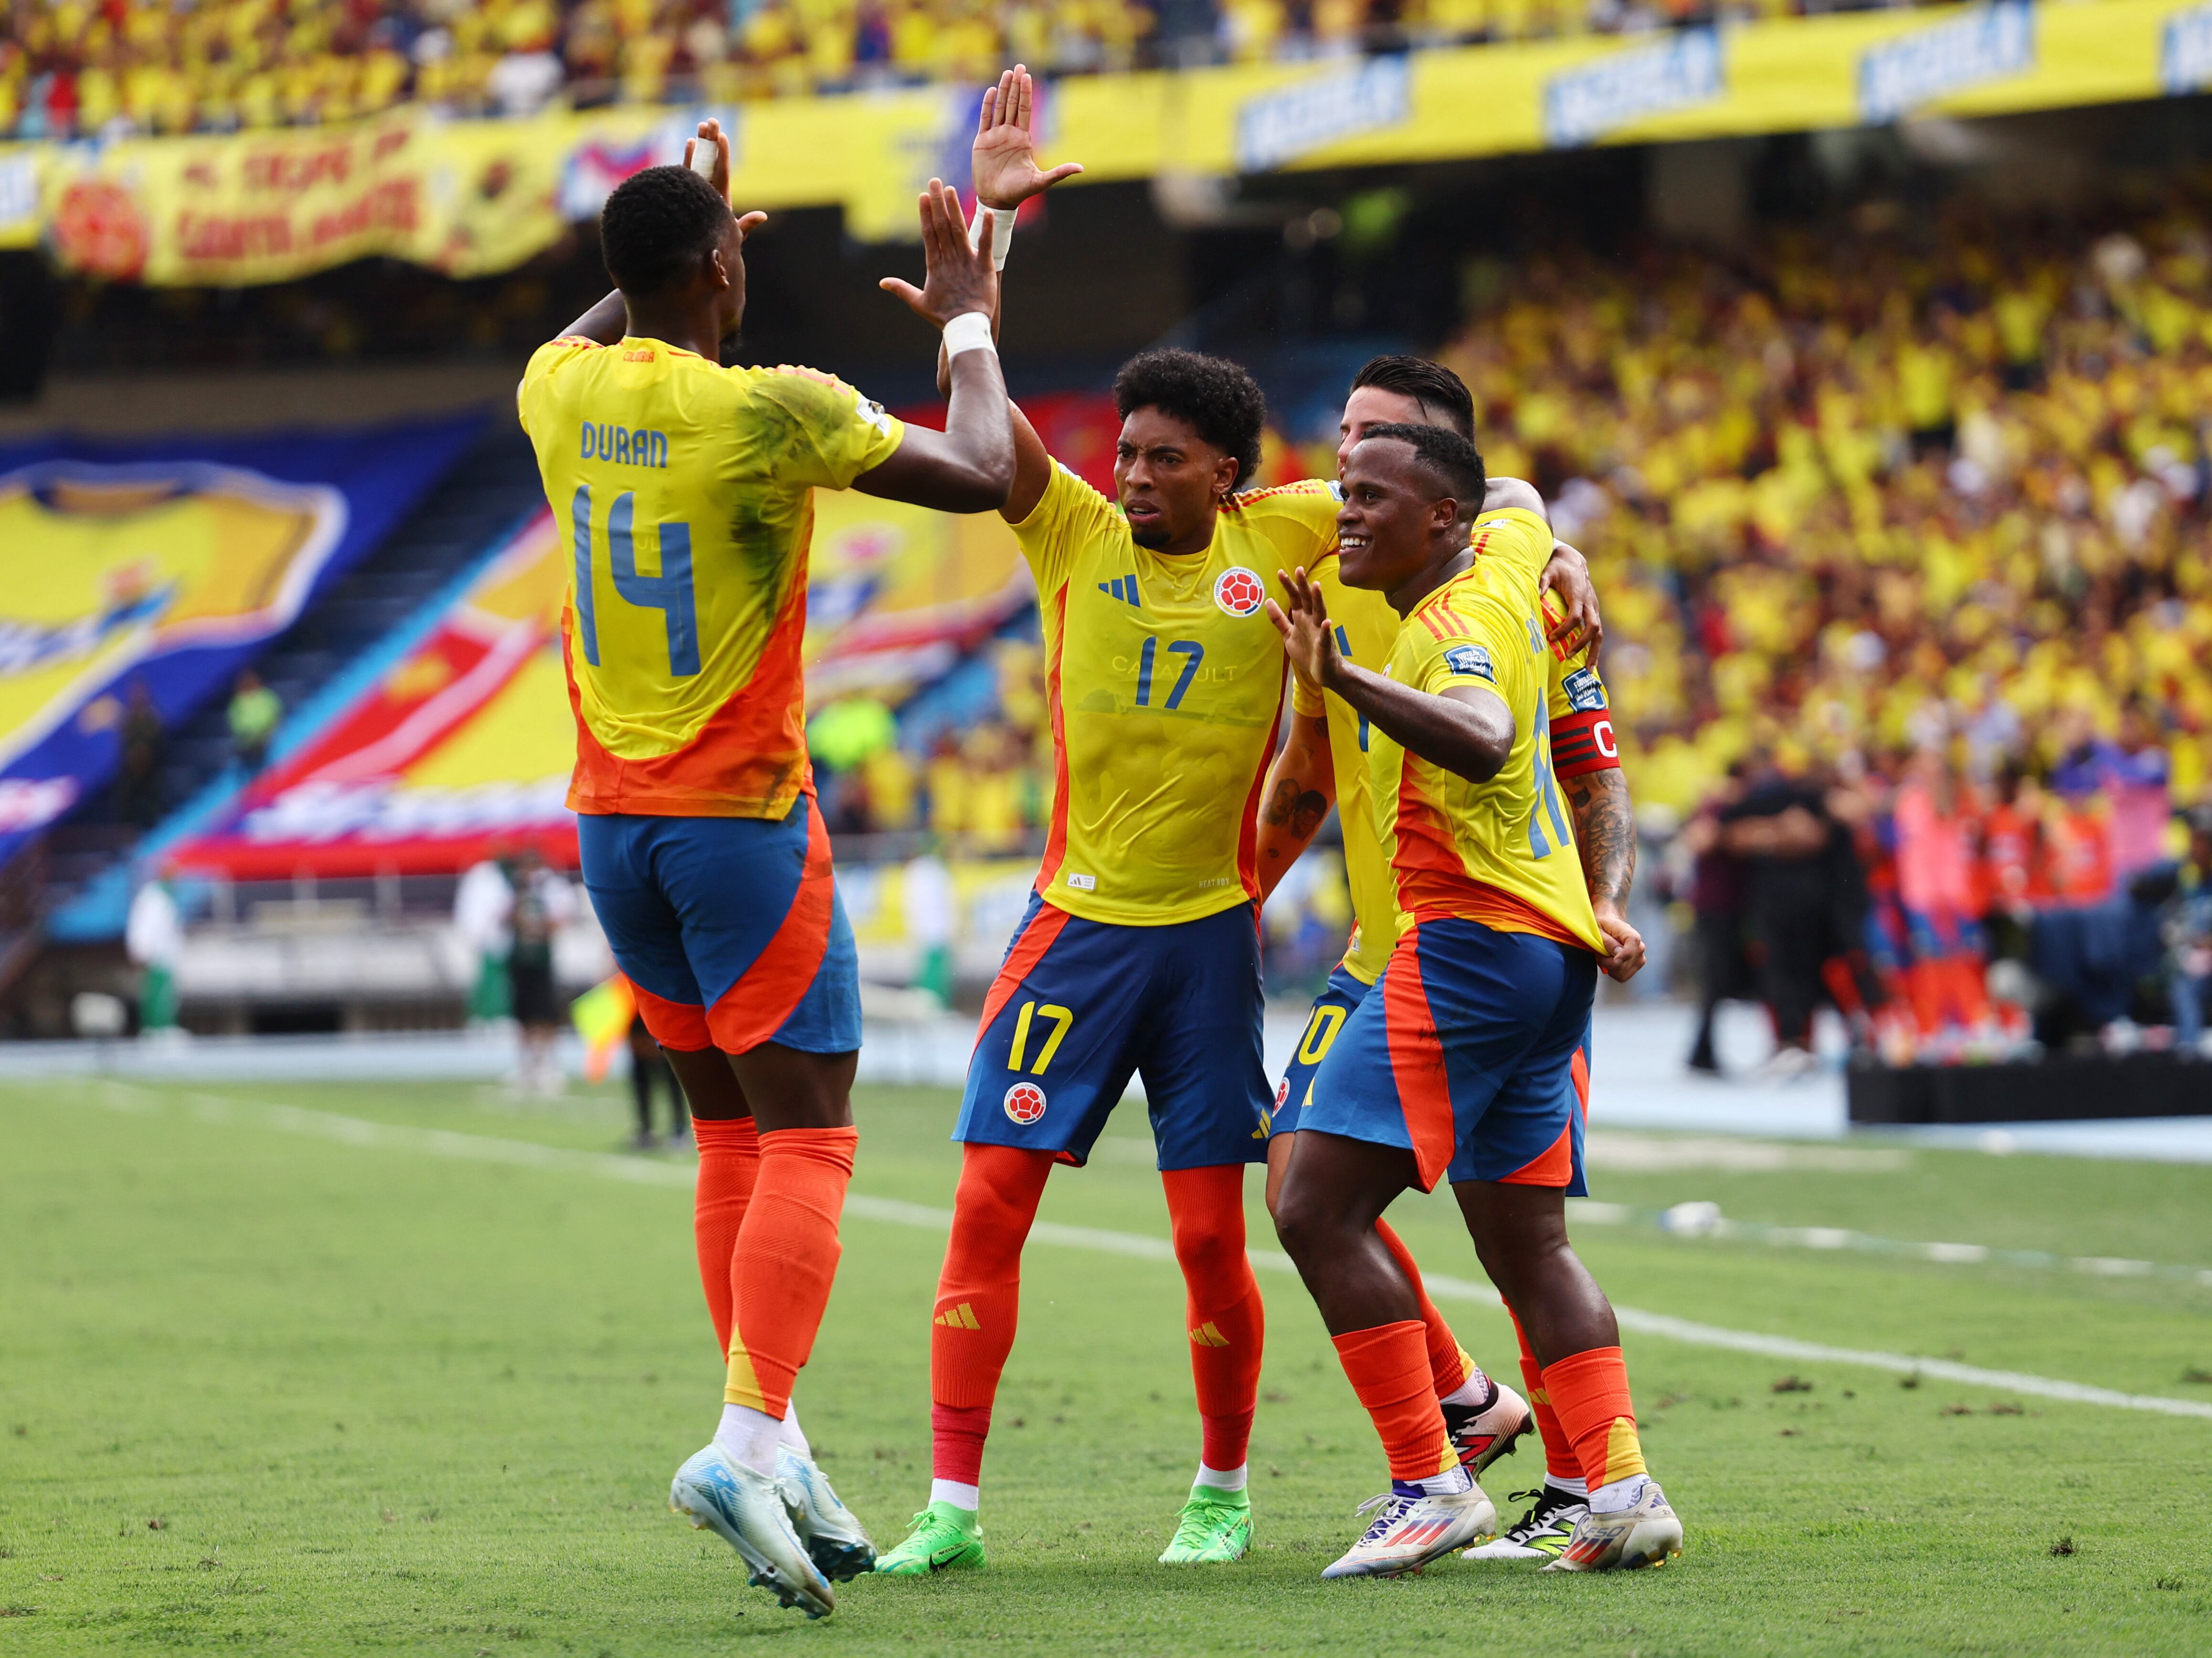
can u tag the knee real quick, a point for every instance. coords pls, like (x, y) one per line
(1308, 1227)
(1207, 1246)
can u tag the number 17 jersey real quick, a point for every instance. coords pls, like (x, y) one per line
(1165, 681)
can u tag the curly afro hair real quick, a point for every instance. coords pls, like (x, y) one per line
(655, 224)
(1215, 397)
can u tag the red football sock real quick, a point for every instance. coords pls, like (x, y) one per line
(1222, 1309)
(1451, 1367)
(979, 1299)
(1561, 1465)
(1388, 1368)
(786, 1260)
(729, 1161)
(957, 1438)
(1590, 1391)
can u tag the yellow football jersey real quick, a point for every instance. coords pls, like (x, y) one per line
(1366, 627)
(1165, 680)
(686, 492)
(1502, 853)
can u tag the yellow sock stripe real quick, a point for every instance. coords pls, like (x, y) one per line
(742, 1387)
(1624, 1451)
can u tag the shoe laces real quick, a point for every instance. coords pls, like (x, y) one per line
(1393, 1505)
(1543, 1506)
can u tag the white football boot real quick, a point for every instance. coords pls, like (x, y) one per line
(835, 1539)
(1542, 1534)
(1414, 1528)
(1644, 1533)
(1482, 1436)
(746, 1510)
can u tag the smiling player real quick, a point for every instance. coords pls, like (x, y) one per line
(688, 490)
(1459, 1063)
(1326, 758)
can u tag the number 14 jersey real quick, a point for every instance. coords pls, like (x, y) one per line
(685, 492)
(1165, 681)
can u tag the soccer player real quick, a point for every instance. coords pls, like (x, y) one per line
(687, 491)
(1459, 1063)
(1326, 758)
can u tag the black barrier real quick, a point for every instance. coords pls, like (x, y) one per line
(2060, 1089)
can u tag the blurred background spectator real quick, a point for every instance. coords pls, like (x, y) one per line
(255, 711)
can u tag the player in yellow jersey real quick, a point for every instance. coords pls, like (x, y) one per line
(686, 490)
(1139, 951)
(1325, 758)
(1459, 1063)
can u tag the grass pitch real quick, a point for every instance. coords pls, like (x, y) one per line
(270, 1391)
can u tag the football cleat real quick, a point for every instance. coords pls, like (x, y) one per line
(746, 1510)
(1542, 1534)
(1412, 1529)
(945, 1538)
(1644, 1533)
(836, 1540)
(1216, 1524)
(1481, 1436)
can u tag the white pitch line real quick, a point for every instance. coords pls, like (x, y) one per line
(646, 1171)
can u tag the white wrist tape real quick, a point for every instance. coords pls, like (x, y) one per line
(1002, 238)
(969, 331)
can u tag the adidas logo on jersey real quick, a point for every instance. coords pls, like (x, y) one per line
(1123, 588)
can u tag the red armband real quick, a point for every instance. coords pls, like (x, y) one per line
(1583, 743)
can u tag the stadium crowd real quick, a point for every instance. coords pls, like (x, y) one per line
(1907, 527)
(1905, 531)
(82, 68)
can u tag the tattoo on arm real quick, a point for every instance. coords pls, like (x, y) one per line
(1605, 833)
(1296, 811)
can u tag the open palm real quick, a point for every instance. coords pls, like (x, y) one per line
(1005, 158)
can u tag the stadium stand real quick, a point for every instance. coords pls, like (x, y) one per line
(72, 68)
(85, 873)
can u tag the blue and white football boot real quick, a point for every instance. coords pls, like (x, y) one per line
(835, 1539)
(746, 1510)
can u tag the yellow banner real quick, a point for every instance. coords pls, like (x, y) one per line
(469, 197)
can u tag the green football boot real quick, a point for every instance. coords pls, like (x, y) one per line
(945, 1538)
(1216, 1524)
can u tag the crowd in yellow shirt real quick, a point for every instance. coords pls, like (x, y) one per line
(1877, 488)
(88, 67)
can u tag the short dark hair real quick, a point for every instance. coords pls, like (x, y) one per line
(657, 222)
(1217, 399)
(1431, 385)
(1452, 459)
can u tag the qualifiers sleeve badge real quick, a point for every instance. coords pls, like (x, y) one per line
(1238, 590)
(1472, 660)
(1585, 691)
(1024, 1103)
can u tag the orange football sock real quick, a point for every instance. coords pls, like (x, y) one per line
(1562, 1468)
(979, 1299)
(1388, 1368)
(786, 1260)
(1451, 1367)
(729, 1160)
(1589, 1392)
(1222, 1309)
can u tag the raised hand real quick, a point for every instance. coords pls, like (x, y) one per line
(1005, 158)
(956, 279)
(1309, 639)
(710, 132)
